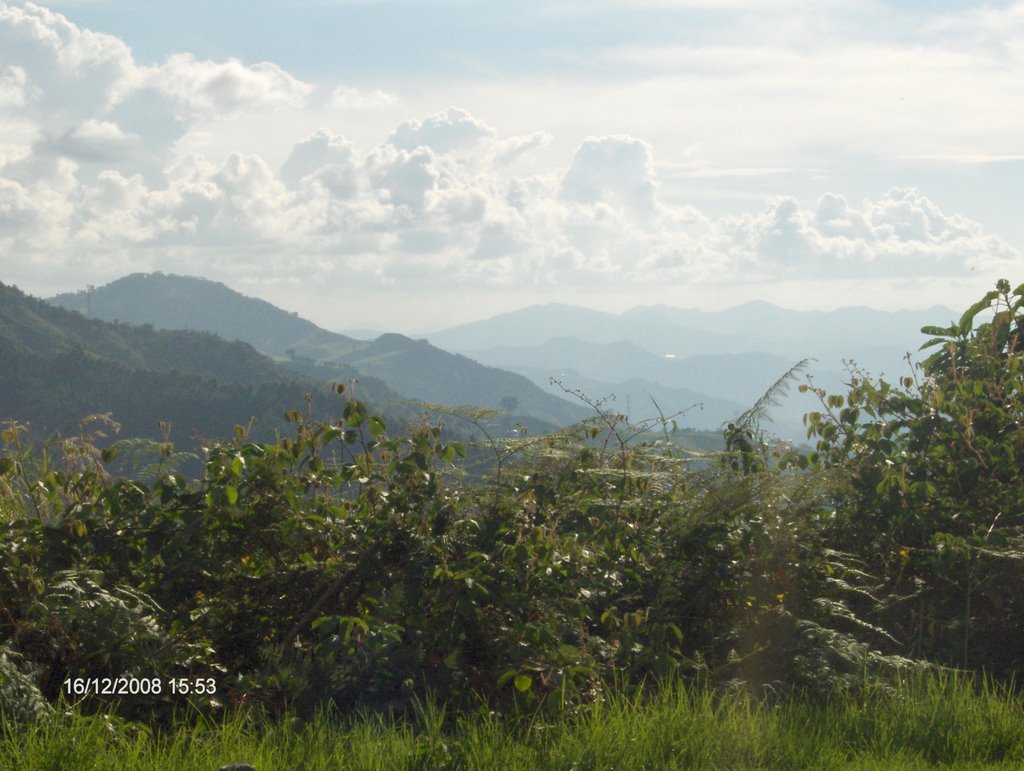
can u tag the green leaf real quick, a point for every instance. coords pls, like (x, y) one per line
(330, 435)
(932, 342)
(967, 320)
(523, 683)
(354, 413)
(333, 622)
(231, 492)
(676, 631)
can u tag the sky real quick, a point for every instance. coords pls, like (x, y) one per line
(408, 165)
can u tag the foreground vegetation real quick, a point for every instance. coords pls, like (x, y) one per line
(927, 722)
(343, 571)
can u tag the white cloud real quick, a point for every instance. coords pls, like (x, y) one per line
(613, 169)
(74, 91)
(349, 98)
(94, 141)
(404, 177)
(65, 74)
(217, 88)
(402, 217)
(94, 177)
(453, 129)
(511, 149)
(901, 234)
(13, 88)
(17, 209)
(326, 158)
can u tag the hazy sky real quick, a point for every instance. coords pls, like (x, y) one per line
(412, 164)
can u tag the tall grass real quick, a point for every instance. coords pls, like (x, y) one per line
(934, 720)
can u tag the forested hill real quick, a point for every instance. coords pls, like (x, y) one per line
(186, 302)
(35, 327)
(57, 366)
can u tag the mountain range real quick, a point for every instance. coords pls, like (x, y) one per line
(708, 365)
(722, 360)
(413, 369)
(871, 337)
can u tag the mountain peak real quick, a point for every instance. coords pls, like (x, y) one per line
(188, 302)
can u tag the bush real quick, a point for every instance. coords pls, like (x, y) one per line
(936, 481)
(343, 566)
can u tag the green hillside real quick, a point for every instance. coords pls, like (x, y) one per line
(32, 326)
(426, 373)
(56, 366)
(186, 302)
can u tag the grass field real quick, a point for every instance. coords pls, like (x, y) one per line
(925, 722)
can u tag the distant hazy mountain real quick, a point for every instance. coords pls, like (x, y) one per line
(733, 355)
(738, 378)
(726, 384)
(875, 339)
(539, 323)
(413, 369)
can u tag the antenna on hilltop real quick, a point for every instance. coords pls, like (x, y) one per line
(88, 299)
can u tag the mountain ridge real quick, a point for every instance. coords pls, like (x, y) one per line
(413, 368)
(876, 341)
(57, 367)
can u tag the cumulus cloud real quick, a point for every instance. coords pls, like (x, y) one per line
(325, 157)
(901, 234)
(94, 141)
(60, 72)
(393, 218)
(13, 88)
(69, 90)
(611, 169)
(349, 98)
(100, 185)
(511, 149)
(17, 208)
(453, 129)
(404, 177)
(221, 88)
